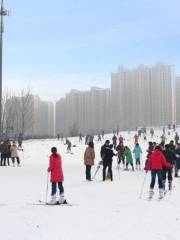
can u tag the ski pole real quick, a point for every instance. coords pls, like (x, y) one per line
(47, 184)
(142, 188)
(98, 167)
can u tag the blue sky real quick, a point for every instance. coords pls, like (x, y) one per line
(54, 46)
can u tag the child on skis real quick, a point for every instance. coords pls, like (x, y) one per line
(57, 177)
(137, 154)
(129, 158)
(155, 164)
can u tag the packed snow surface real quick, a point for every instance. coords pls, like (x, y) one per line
(104, 210)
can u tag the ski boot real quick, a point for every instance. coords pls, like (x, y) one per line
(170, 185)
(62, 200)
(161, 193)
(151, 193)
(52, 201)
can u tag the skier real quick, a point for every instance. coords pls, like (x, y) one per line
(107, 161)
(177, 161)
(136, 138)
(89, 157)
(14, 154)
(155, 164)
(152, 132)
(62, 138)
(114, 140)
(120, 150)
(20, 140)
(163, 139)
(170, 158)
(58, 136)
(57, 177)
(99, 137)
(117, 131)
(87, 139)
(102, 134)
(172, 146)
(137, 154)
(68, 145)
(176, 138)
(174, 127)
(103, 151)
(121, 139)
(129, 158)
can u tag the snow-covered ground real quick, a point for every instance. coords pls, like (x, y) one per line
(104, 210)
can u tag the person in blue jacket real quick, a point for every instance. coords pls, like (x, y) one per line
(137, 154)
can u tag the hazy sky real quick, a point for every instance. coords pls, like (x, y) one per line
(56, 45)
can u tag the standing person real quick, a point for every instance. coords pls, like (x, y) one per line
(20, 140)
(68, 145)
(177, 160)
(80, 137)
(120, 149)
(62, 138)
(176, 138)
(152, 132)
(58, 136)
(107, 161)
(170, 158)
(14, 154)
(89, 157)
(87, 139)
(4, 153)
(155, 164)
(99, 137)
(137, 154)
(121, 139)
(57, 177)
(136, 138)
(129, 158)
(9, 152)
(164, 130)
(114, 140)
(91, 138)
(117, 131)
(102, 134)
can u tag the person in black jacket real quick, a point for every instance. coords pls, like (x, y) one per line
(167, 172)
(177, 162)
(107, 161)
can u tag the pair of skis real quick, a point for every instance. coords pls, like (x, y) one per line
(43, 203)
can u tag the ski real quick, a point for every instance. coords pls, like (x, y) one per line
(43, 203)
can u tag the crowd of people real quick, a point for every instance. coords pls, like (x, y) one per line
(10, 153)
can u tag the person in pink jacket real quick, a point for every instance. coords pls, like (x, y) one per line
(57, 177)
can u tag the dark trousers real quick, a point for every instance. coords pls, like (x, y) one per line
(54, 187)
(105, 165)
(167, 172)
(17, 158)
(153, 178)
(121, 158)
(138, 161)
(3, 159)
(88, 172)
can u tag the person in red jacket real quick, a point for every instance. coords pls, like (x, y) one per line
(57, 177)
(156, 163)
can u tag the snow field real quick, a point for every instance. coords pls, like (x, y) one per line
(105, 210)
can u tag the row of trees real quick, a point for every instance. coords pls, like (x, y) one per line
(17, 112)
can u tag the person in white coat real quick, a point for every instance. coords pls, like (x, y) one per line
(14, 154)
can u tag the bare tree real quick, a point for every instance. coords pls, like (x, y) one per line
(25, 112)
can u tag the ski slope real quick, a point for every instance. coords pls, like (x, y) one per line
(104, 210)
